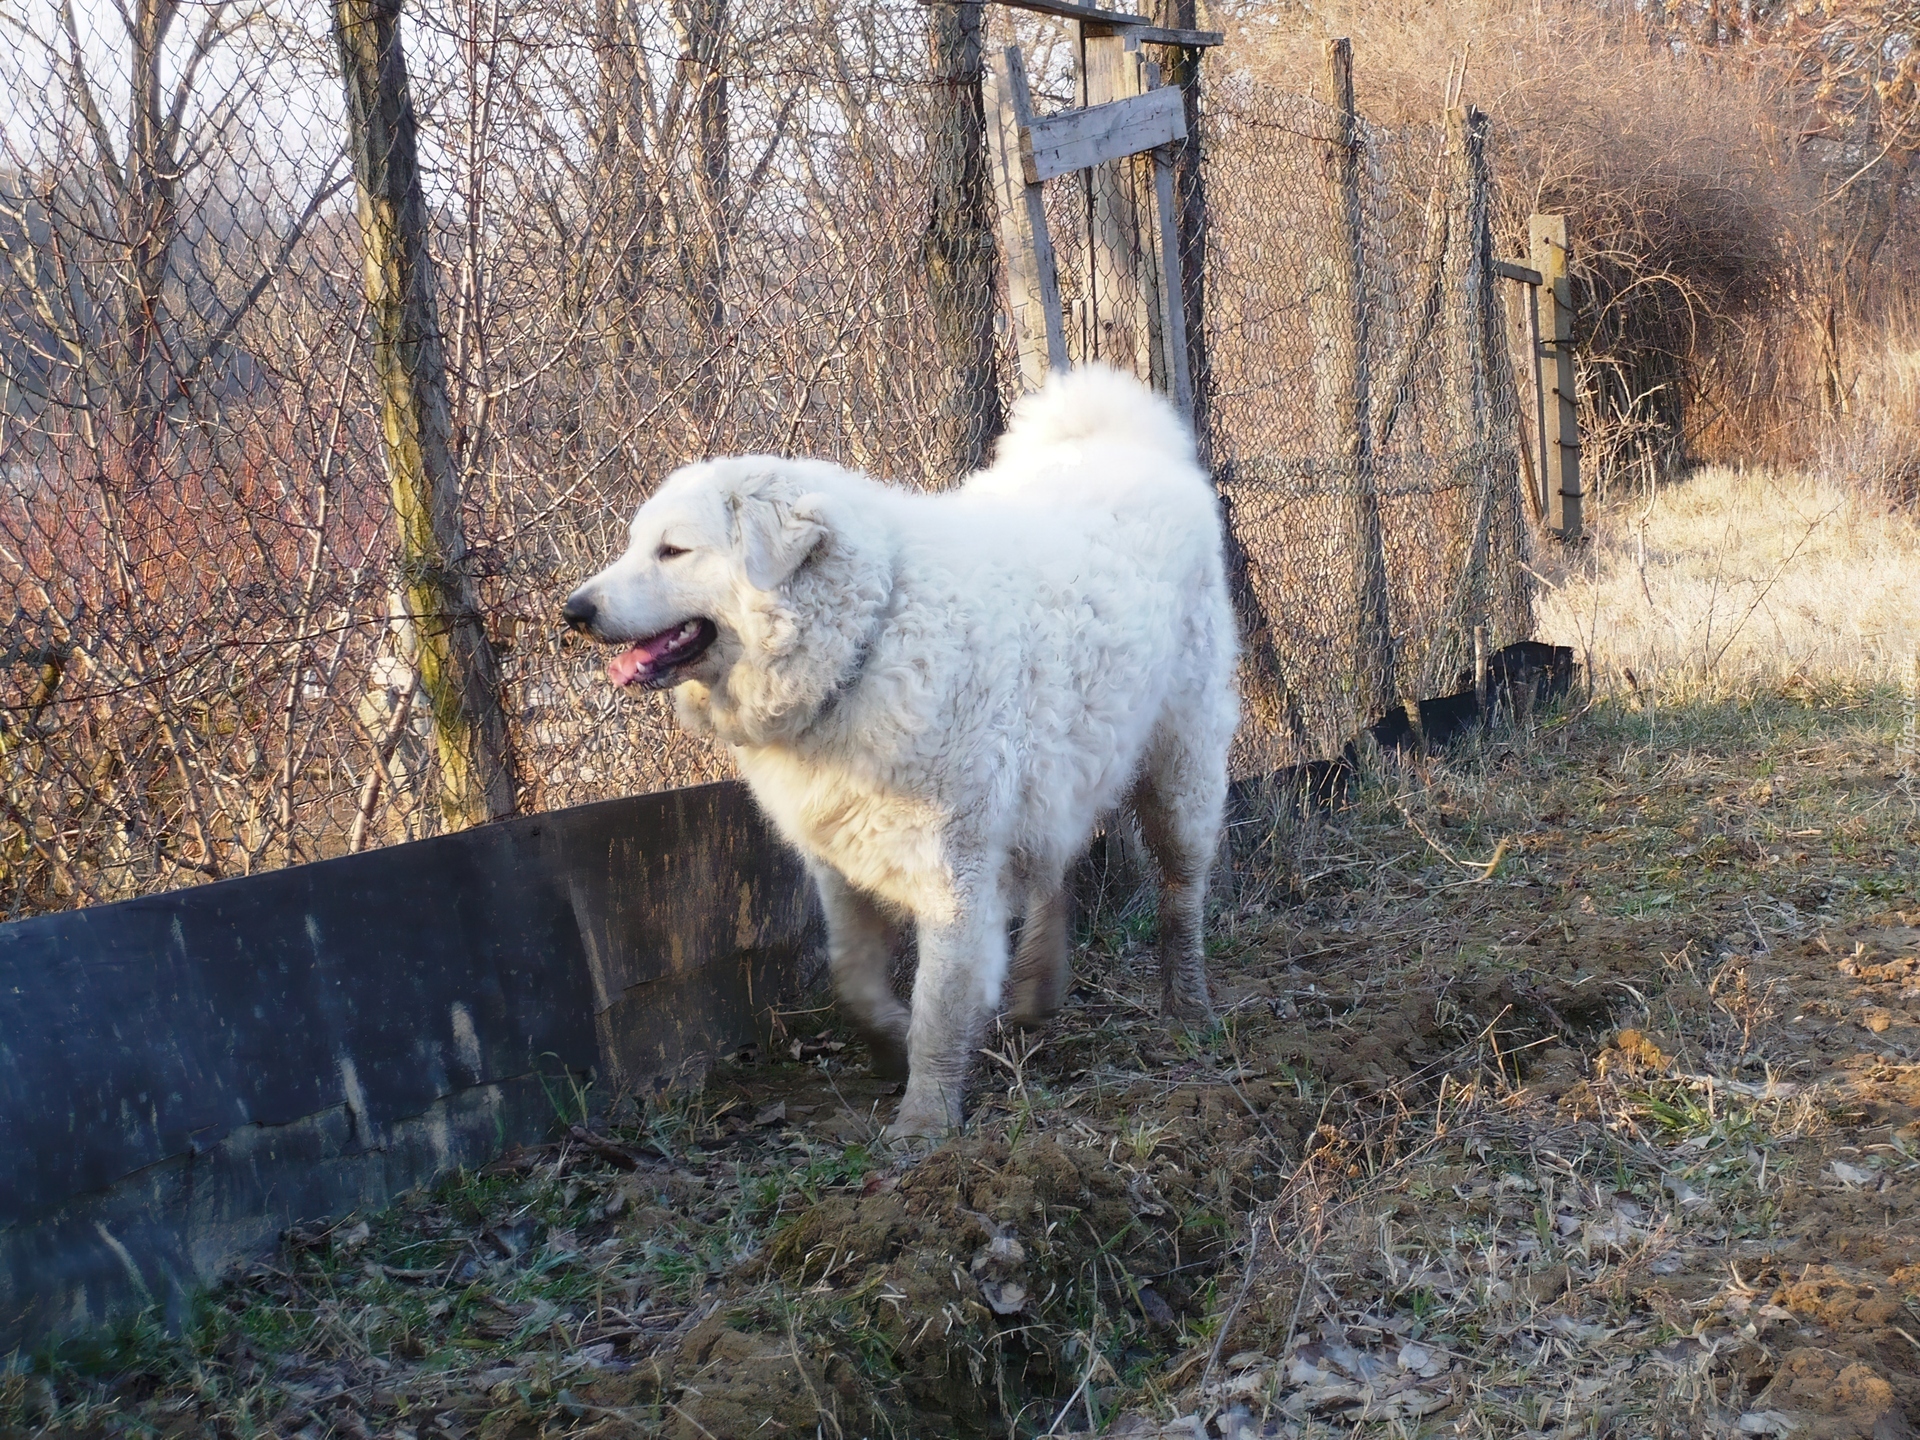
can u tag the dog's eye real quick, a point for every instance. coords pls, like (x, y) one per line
(667, 552)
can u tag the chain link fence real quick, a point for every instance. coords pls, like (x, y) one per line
(660, 231)
(1380, 528)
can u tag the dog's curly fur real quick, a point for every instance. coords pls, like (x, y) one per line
(935, 697)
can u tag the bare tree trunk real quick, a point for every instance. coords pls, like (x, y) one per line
(149, 224)
(959, 244)
(459, 674)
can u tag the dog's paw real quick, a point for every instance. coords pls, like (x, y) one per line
(1031, 1017)
(1193, 1012)
(913, 1137)
(908, 1147)
(922, 1121)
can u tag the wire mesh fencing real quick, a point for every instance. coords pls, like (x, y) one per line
(1363, 405)
(659, 231)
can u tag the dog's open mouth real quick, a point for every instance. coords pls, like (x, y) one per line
(652, 662)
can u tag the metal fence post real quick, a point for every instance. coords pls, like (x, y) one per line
(1373, 634)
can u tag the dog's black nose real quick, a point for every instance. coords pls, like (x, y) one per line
(578, 611)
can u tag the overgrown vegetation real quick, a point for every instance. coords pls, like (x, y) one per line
(1569, 1085)
(1739, 179)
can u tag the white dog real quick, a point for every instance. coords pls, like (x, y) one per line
(935, 697)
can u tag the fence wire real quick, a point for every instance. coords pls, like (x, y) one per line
(661, 231)
(1404, 508)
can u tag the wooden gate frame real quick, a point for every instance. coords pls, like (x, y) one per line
(1025, 150)
(1555, 488)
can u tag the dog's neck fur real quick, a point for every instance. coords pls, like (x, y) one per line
(813, 638)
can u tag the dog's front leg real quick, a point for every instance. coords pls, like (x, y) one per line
(860, 941)
(963, 960)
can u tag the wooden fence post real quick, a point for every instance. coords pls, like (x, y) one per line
(1033, 285)
(1263, 679)
(1476, 578)
(1173, 310)
(459, 673)
(1373, 634)
(1123, 288)
(1467, 141)
(1560, 427)
(1160, 257)
(1181, 67)
(959, 244)
(1509, 587)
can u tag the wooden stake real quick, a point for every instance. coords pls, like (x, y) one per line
(1560, 428)
(1181, 64)
(960, 259)
(1033, 285)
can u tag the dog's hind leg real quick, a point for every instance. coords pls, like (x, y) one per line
(860, 942)
(1037, 979)
(1179, 800)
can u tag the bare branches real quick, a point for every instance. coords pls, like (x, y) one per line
(669, 228)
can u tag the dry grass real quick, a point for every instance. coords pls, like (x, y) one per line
(1737, 580)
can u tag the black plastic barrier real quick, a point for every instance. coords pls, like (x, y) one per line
(184, 1076)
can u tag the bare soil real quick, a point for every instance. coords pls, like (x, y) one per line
(1567, 1086)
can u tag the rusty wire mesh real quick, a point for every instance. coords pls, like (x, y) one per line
(1442, 475)
(663, 230)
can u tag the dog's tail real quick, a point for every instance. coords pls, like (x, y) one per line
(1096, 402)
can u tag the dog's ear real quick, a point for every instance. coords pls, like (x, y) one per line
(772, 535)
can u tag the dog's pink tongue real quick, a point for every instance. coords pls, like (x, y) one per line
(630, 664)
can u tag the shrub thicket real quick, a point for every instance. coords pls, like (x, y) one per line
(1738, 195)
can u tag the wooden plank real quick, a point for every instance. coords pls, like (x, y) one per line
(1173, 308)
(1560, 434)
(1507, 270)
(1079, 139)
(1180, 39)
(1126, 313)
(1033, 286)
(1139, 26)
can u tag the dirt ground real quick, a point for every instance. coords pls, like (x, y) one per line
(1564, 1086)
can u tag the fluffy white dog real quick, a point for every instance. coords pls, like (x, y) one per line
(935, 697)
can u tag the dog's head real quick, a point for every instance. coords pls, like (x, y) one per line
(717, 569)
